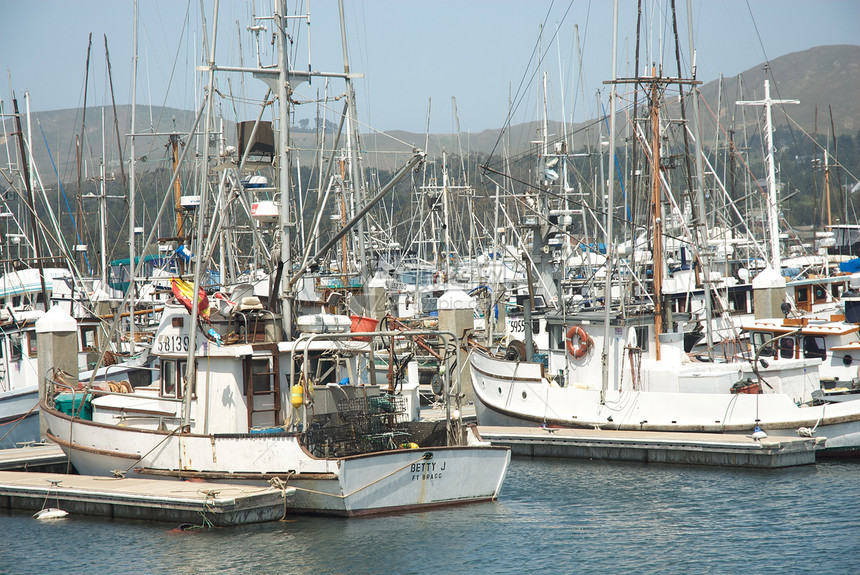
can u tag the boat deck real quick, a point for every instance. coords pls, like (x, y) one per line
(655, 447)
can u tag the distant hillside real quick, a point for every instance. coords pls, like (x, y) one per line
(825, 77)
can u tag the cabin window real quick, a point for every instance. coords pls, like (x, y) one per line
(762, 340)
(813, 347)
(325, 371)
(820, 294)
(801, 295)
(16, 301)
(642, 337)
(738, 301)
(89, 339)
(556, 334)
(16, 350)
(172, 378)
(786, 348)
(180, 380)
(168, 378)
(2, 347)
(32, 344)
(261, 379)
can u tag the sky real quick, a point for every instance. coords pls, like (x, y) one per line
(414, 55)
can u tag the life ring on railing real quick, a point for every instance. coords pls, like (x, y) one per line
(581, 348)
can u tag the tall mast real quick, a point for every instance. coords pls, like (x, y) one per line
(607, 296)
(177, 197)
(103, 208)
(131, 189)
(30, 200)
(772, 204)
(79, 208)
(191, 366)
(701, 219)
(283, 162)
(656, 199)
(352, 144)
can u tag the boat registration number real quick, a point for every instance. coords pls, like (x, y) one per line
(171, 343)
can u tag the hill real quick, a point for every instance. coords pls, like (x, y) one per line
(824, 79)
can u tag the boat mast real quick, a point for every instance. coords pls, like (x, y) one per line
(772, 205)
(103, 208)
(352, 143)
(191, 365)
(699, 213)
(656, 199)
(30, 200)
(280, 20)
(173, 140)
(131, 189)
(607, 296)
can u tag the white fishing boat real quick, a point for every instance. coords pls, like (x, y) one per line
(673, 393)
(335, 435)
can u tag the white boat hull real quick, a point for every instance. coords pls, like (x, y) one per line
(19, 419)
(514, 394)
(380, 482)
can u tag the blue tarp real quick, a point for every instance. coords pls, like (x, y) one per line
(851, 266)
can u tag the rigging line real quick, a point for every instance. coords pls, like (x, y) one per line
(617, 165)
(74, 223)
(593, 210)
(821, 148)
(732, 146)
(583, 128)
(519, 94)
(172, 72)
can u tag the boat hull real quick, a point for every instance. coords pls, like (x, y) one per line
(381, 482)
(511, 394)
(19, 419)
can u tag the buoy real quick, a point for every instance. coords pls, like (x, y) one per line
(51, 513)
(758, 434)
(297, 396)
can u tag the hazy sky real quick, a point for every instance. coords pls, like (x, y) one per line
(480, 52)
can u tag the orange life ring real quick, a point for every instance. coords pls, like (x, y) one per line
(580, 349)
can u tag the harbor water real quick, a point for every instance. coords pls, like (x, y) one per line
(553, 516)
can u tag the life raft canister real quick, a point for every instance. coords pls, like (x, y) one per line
(583, 344)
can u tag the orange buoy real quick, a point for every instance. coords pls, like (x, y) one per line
(583, 344)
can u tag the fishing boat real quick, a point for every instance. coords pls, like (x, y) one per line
(673, 393)
(347, 446)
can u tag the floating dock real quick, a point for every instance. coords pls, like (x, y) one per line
(655, 447)
(36, 457)
(152, 499)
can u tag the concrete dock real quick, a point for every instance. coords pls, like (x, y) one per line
(151, 499)
(36, 457)
(655, 447)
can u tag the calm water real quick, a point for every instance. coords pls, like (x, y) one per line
(553, 516)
